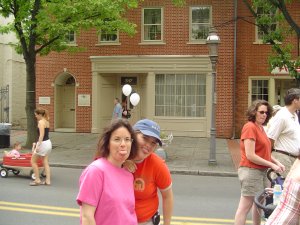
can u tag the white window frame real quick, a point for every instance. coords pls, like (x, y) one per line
(273, 97)
(184, 101)
(67, 38)
(198, 41)
(109, 42)
(258, 38)
(258, 78)
(159, 41)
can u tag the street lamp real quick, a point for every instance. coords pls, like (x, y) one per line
(213, 41)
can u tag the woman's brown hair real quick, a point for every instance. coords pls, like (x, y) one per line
(103, 144)
(43, 112)
(252, 110)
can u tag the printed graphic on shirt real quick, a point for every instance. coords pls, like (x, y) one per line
(139, 184)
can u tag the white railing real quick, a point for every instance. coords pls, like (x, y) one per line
(167, 140)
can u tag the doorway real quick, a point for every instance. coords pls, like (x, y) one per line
(281, 86)
(65, 108)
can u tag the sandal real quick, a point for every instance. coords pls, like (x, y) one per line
(45, 183)
(34, 183)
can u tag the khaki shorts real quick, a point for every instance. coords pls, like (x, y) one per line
(252, 180)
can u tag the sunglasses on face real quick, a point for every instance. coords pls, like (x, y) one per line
(263, 112)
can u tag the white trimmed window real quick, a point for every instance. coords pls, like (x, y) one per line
(108, 37)
(70, 37)
(259, 89)
(200, 21)
(270, 13)
(180, 95)
(152, 28)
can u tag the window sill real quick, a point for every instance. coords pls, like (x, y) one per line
(71, 44)
(108, 43)
(196, 42)
(152, 43)
(259, 42)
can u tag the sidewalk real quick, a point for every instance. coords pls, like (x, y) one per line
(185, 155)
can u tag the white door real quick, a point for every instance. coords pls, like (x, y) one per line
(68, 107)
(65, 108)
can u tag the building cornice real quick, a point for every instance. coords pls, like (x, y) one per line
(150, 63)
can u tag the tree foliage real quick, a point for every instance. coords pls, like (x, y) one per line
(42, 25)
(288, 27)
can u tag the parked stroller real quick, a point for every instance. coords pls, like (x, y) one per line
(264, 200)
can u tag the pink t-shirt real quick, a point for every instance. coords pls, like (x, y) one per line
(110, 190)
(14, 153)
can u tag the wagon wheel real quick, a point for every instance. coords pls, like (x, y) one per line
(32, 175)
(43, 174)
(16, 172)
(3, 172)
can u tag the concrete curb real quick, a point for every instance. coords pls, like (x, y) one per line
(204, 173)
(173, 171)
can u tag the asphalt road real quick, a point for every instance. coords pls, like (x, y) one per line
(198, 200)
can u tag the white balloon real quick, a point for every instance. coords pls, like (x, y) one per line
(134, 99)
(126, 89)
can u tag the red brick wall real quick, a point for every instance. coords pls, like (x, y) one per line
(176, 36)
(252, 59)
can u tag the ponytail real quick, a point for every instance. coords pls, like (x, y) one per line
(43, 112)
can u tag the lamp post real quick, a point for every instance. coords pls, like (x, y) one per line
(213, 41)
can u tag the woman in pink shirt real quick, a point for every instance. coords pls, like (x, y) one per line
(106, 193)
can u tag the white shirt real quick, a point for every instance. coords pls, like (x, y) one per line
(284, 129)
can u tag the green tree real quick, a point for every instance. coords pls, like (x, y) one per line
(42, 25)
(281, 56)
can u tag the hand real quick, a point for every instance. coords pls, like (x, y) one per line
(33, 146)
(130, 166)
(281, 166)
(269, 191)
(277, 169)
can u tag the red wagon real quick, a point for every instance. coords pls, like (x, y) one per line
(20, 164)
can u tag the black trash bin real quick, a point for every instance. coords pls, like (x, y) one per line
(5, 135)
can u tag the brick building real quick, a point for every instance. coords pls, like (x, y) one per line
(167, 64)
(254, 80)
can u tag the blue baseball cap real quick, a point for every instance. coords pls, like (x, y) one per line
(149, 128)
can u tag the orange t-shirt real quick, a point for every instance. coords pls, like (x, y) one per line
(262, 144)
(151, 174)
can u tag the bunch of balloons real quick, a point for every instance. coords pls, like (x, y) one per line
(134, 97)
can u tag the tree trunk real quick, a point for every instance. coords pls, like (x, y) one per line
(30, 101)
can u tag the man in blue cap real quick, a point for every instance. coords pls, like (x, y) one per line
(151, 174)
